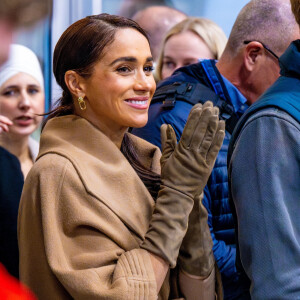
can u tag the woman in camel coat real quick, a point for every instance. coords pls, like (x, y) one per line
(96, 219)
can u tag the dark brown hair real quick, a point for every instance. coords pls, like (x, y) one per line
(79, 48)
(150, 179)
(296, 9)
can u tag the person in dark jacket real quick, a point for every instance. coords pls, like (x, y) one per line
(245, 70)
(13, 15)
(11, 185)
(21, 100)
(265, 148)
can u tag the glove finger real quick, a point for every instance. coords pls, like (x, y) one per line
(209, 135)
(190, 125)
(168, 142)
(163, 135)
(216, 144)
(201, 128)
(171, 135)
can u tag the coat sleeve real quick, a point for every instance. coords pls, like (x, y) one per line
(88, 248)
(265, 170)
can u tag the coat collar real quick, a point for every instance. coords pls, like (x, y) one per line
(104, 171)
(290, 61)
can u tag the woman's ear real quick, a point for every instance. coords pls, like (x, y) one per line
(252, 52)
(74, 83)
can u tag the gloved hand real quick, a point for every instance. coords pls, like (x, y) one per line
(196, 255)
(185, 171)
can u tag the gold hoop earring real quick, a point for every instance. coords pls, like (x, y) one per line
(81, 103)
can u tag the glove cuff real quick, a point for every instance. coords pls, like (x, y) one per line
(168, 225)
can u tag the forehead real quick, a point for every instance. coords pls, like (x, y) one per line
(127, 42)
(20, 79)
(184, 39)
(187, 43)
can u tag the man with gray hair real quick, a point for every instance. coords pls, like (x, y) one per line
(156, 21)
(264, 180)
(246, 69)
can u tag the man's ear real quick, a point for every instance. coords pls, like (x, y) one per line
(74, 83)
(252, 52)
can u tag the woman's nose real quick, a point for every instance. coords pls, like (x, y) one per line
(24, 103)
(143, 82)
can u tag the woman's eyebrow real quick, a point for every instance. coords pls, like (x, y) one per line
(124, 58)
(12, 86)
(15, 86)
(9, 87)
(129, 59)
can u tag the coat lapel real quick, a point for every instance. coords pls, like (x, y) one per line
(104, 171)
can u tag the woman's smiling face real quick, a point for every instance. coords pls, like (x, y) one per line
(119, 91)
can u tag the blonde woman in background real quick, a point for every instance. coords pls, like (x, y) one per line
(187, 42)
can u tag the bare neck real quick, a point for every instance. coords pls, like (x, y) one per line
(230, 68)
(233, 70)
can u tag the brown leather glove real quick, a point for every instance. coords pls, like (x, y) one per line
(195, 255)
(196, 259)
(185, 171)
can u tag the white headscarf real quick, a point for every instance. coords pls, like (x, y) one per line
(21, 59)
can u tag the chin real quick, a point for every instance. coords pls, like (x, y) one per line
(139, 124)
(25, 132)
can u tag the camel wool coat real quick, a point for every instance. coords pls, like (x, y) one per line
(83, 214)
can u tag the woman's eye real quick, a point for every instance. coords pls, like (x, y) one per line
(123, 69)
(169, 64)
(149, 69)
(9, 93)
(33, 91)
(189, 62)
